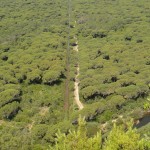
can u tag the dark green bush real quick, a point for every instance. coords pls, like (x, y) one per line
(9, 96)
(9, 111)
(51, 77)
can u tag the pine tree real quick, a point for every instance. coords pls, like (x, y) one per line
(119, 138)
(78, 140)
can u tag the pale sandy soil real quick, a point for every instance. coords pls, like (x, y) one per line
(76, 83)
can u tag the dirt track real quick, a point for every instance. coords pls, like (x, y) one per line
(76, 83)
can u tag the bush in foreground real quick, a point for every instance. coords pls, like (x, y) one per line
(120, 138)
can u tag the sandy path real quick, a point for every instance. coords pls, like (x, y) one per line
(76, 83)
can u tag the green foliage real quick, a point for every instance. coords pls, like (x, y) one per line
(89, 91)
(77, 140)
(9, 111)
(113, 53)
(146, 106)
(51, 76)
(34, 77)
(118, 138)
(130, 92)
(113, 40)
(8, 96)
(39, 132)
(125, 140)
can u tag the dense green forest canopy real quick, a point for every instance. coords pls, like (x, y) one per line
(114, 59)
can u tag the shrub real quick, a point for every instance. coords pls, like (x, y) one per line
(51, 77)
(89, 92)
(118, 138)
(9, 111)
(34, 76)
(117, 101)
(99, 34)
(129, 92)
(44, 65)
(9, 96)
